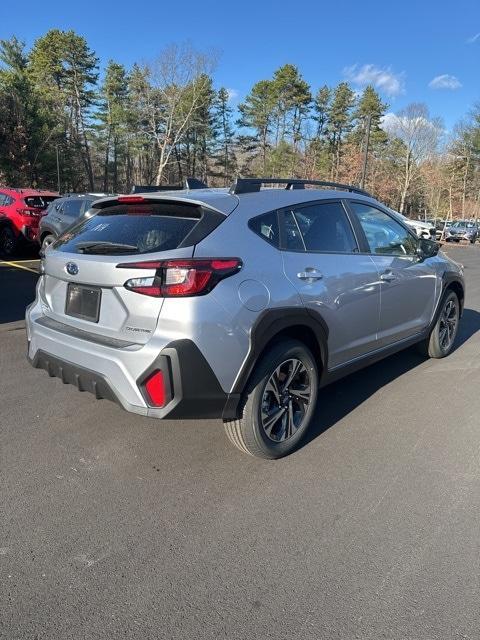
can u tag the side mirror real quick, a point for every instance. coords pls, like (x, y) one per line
(427, 248)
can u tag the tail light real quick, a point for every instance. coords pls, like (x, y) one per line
(181, 278)
(29, 211)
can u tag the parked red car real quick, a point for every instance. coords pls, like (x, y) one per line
(23, 208)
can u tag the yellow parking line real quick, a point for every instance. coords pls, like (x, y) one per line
(18, 266)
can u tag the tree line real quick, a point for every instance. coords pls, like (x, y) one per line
(161, 121)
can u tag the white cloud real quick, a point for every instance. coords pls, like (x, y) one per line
(473, 38)
(232, 95)
(445, 82)
(392, 84)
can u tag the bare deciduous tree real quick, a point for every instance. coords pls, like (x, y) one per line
(419, 136)
(177, 88)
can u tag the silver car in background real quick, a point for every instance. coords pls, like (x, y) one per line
(62, 213)
(238, 303)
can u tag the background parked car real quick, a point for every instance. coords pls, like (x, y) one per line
(62, 213)
(23, 209)
(422, 229)
(462, 230)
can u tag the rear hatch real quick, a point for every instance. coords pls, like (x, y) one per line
(84, 286)
(36, 205)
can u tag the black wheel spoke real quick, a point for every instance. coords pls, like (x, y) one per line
(301, 394)
(271, 419)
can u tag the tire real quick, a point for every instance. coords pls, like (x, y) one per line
(434, 346)
(253, 432)
(8, 241)
(47, 241)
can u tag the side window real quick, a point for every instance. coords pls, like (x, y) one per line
(385, 235)
(323, 226)
(86, 205)
(266, 226)
(8, 200)
(72, 207)
(3, 199)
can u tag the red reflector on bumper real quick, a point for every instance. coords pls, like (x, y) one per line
(155, 388)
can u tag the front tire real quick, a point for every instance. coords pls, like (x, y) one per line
(279, 402)
(442, 337)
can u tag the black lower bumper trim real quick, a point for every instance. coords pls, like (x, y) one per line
(80, 377)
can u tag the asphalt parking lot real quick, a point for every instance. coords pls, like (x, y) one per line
(117, 526)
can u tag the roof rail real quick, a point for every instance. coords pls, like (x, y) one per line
(251, 185)
(190, 183)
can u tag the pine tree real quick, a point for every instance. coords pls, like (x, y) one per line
(339, 122)
(64, 71)
(25, 127)
(321, 107)
(113, 117)
(369, 104)
(257, 114)
(223, 135)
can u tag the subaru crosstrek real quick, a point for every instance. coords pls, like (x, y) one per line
(238, 304)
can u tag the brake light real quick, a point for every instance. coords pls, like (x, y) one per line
(131, 199)
(155, 388)
(181, 278)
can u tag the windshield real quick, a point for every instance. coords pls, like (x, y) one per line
(462, 224)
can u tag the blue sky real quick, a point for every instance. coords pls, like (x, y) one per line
(425, 51)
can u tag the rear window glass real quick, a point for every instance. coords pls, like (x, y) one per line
(131, 229)
(39, 202)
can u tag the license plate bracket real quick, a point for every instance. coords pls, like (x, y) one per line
(83, 301)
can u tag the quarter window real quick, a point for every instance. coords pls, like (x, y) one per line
(266, 226)
(72, 207)
(322, 227)
(385, 236)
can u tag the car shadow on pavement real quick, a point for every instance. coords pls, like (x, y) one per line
(341, 398)
(17, 291)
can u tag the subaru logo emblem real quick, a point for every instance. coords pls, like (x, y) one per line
(71, 268)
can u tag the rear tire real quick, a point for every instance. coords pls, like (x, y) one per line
(8, 242)
(442, 337)
(47, 241)
(279, 402)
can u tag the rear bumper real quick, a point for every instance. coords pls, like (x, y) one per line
(118, 374)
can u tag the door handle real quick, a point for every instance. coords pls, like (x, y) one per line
(310, 274)
(388, 276)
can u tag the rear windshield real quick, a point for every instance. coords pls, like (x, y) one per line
(39, 202)
(131, 229)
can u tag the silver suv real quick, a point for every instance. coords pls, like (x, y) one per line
(238, 304)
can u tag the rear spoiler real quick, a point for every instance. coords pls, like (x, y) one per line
(190, 183)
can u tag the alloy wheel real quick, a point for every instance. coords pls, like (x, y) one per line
(448, 325)
(286, 398)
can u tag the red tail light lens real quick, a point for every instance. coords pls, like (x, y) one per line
(131, 199)
(155, 388)
(30, 211)
(181, 278)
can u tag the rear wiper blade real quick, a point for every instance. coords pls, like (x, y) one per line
(106, 247)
